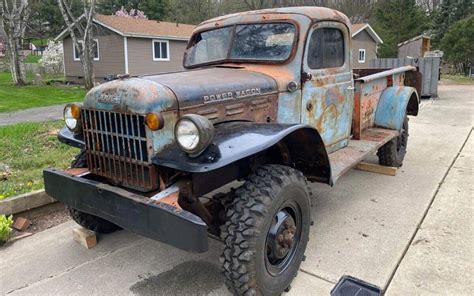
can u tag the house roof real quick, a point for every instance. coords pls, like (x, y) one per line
(357, 28)
(141, 28)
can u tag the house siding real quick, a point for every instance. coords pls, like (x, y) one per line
(363, 41)
(111, 57)
(140, 57)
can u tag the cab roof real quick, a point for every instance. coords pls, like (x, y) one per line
(312, 12)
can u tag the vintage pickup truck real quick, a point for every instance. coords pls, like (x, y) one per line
(269, 101)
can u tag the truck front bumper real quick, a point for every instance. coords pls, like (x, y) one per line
(142, 215)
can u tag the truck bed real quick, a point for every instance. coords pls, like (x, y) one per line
(368, 90)
(346, 158)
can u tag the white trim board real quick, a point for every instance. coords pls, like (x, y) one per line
(125, 53)
(371, 33)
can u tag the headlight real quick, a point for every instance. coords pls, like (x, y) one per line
(72, 117)
(194, 133)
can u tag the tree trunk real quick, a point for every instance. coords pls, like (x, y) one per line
(15, 62)
(82, 37)
(13, 17)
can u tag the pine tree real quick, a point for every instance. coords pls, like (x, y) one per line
(396, 21)
(457, 44)
(449, 12)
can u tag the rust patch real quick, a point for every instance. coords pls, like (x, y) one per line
(256, 109)
(171, 200)
(356, 120)
(76, 171)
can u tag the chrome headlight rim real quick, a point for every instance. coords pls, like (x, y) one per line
(205, 133)
(74, 124)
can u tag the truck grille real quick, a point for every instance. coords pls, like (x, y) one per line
(116, 148)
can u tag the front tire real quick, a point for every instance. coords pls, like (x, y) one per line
(89, 221)
(267, 231)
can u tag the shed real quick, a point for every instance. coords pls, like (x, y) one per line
(129, 46)
(364, 45)
(415, 47)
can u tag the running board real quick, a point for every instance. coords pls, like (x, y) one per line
(346, 158)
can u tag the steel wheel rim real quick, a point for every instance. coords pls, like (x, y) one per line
(283, 238)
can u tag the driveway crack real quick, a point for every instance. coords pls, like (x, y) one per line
(50, 277)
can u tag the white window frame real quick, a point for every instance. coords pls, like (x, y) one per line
(358, 58)
(82, 41)
(167, 49)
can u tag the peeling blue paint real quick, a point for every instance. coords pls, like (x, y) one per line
(392, 106)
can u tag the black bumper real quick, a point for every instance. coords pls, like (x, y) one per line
(139, 214)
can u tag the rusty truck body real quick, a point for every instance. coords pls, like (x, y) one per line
(268, 100)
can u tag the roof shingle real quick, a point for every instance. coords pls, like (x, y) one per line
(144, 27)
(356, 27)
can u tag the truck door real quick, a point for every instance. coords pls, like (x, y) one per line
(327, 99)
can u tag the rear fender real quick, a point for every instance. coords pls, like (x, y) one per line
(234, 141)
(394, 103)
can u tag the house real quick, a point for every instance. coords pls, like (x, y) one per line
(129, 46)
(364, 45)
(415, 47)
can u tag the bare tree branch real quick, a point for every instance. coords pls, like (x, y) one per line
(81, 36)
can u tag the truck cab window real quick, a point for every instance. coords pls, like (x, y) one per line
(326, 49)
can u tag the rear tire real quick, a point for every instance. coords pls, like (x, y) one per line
(267, 231)
(393, 152)
(89, 221)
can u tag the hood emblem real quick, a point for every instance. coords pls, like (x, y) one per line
(232, 95)
(109, 99)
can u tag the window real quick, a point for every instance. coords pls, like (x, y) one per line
(326, 49)
(270, 42)
(96, 50)
(361, 55)
(161, 50)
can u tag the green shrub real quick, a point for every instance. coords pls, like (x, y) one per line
(5, 228)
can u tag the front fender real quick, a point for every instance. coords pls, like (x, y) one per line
(234, 141)
(394, 103)
(67, 137)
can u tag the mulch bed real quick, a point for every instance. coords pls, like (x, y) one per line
(41, 218)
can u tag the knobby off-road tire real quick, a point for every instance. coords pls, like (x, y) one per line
(393, 152)
(89, 221)
(273, 205)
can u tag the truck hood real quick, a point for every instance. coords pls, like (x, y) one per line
(178, 90)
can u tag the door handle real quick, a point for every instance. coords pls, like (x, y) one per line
(350, 88)
(305, 76)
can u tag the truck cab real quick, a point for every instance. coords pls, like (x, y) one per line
(268, 103)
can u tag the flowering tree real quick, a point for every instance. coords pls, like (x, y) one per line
(133, 13)
(53, 57)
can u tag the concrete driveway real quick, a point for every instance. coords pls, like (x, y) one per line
(367, 226)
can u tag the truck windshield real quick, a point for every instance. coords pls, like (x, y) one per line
(256, 42)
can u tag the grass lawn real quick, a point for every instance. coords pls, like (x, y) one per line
(31, 58)
(21, 97)
(26, 149)
(459, 79)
